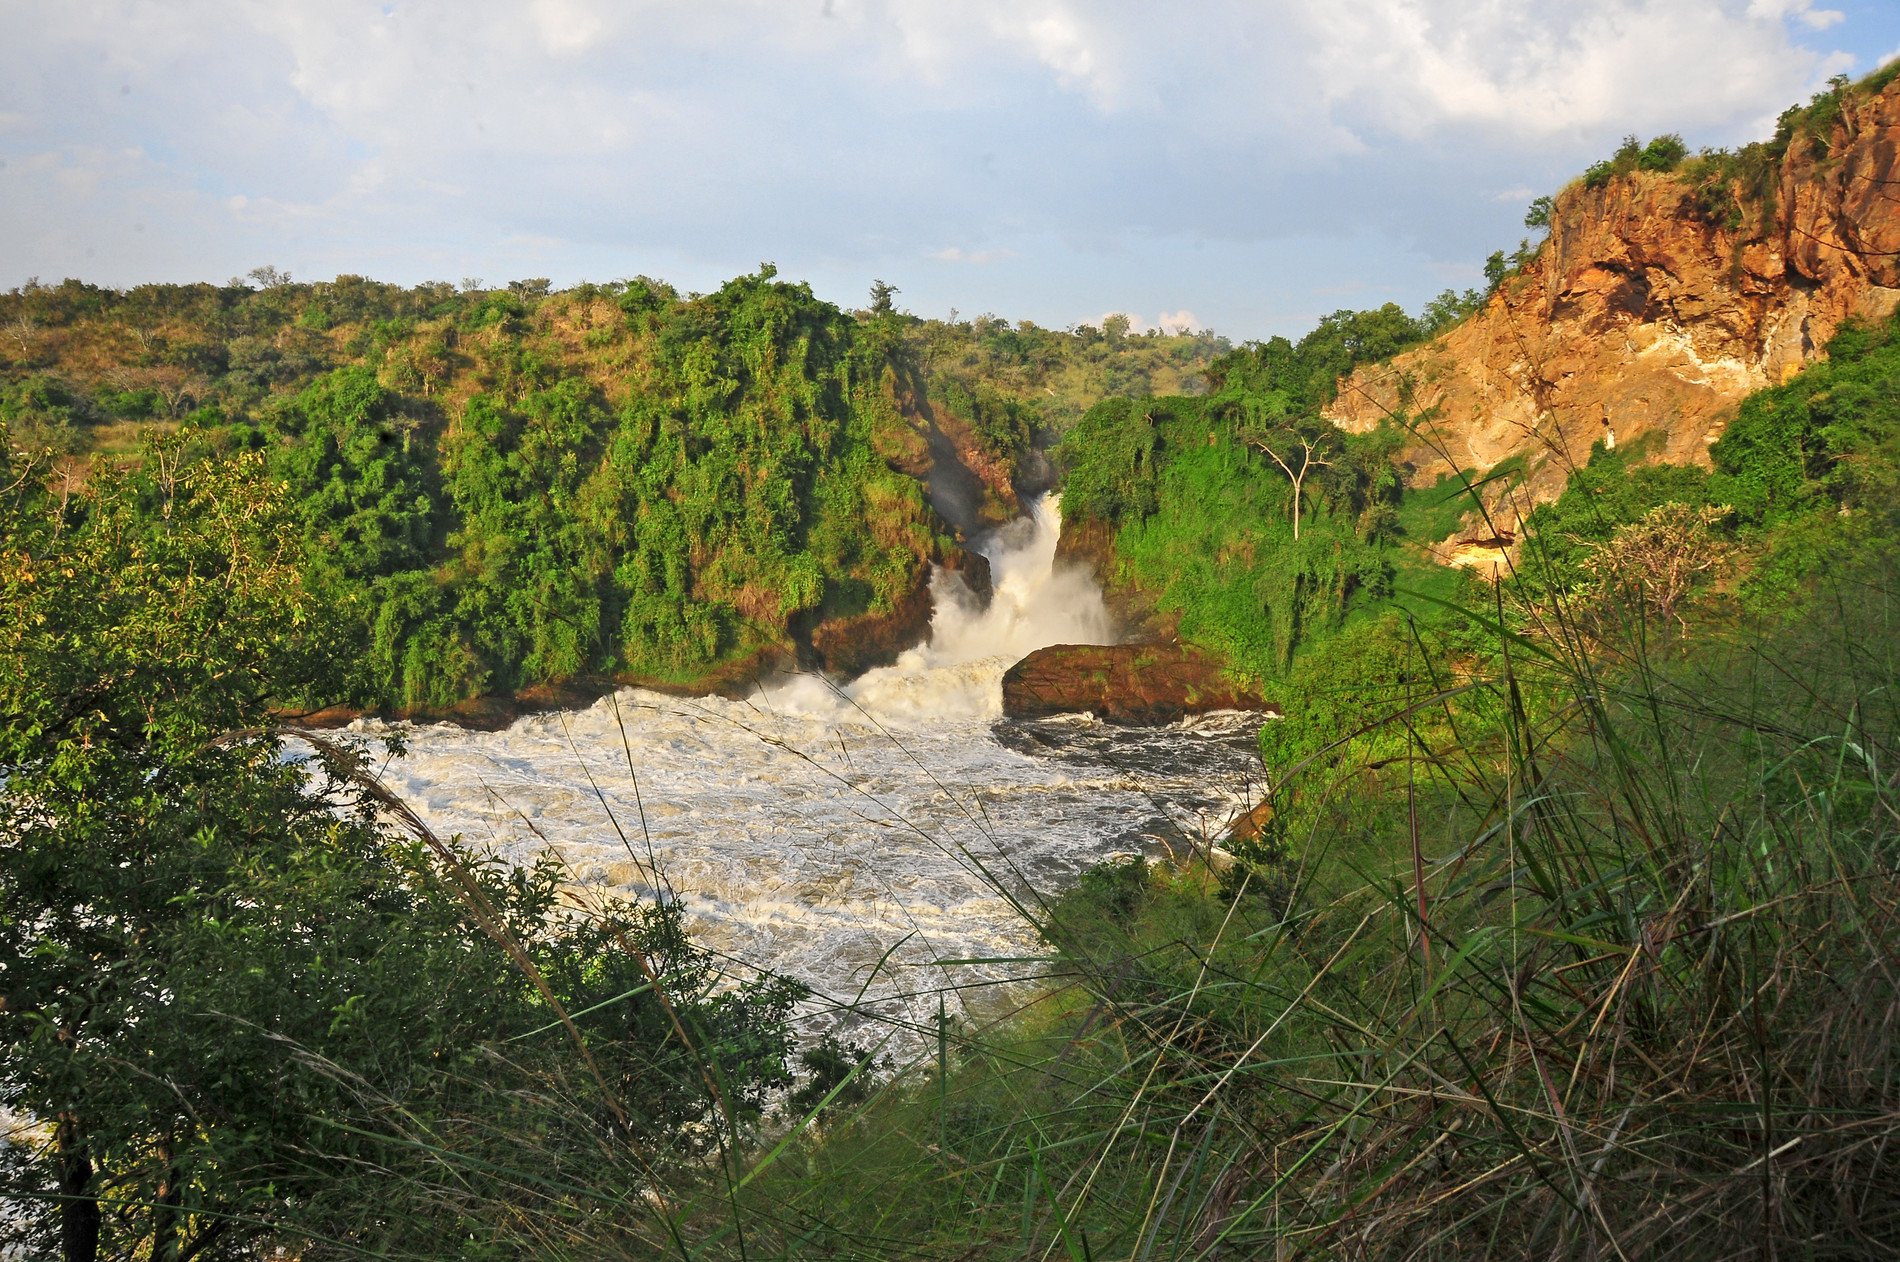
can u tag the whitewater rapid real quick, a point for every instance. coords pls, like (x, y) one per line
(814, 826)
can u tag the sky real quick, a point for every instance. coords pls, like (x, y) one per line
(1245, 167)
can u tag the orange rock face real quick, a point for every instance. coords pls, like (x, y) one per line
(1643, 318)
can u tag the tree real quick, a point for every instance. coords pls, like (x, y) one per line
(881, 292)
(249, 1012)
(1307, 375)
(1538, 216)
(1309, 445)
(1664, 153)
(1495, 270)
(1448, 309)
(1658, 558)
(1109, 462)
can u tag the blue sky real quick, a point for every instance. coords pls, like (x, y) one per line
(1240, 166)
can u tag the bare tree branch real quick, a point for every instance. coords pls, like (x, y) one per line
(1308, 461)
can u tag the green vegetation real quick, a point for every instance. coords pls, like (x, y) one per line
(1593, 967)
(1734, 188)
(1566, 930)
(517, 487)
(1061, 374)
(1803, 469)
(1567, 935)
(1248, 521)
(512, 488)
(1664, 153)
(249, 1014)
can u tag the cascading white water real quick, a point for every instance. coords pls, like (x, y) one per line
(813, 825)
(957, 673)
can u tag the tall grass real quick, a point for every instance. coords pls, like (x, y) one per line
(1604, 965)
(1611, 976)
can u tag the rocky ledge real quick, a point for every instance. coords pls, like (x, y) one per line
(1124, 683)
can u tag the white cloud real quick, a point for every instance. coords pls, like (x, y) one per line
(1802, 10)
(1094, 142)
(1062, 42)
(566, 26)
(1556, 67)
(1181, 321)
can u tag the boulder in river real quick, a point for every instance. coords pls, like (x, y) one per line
(1124, 683)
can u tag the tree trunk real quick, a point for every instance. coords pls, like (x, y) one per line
(78, 1209)
(165, 1211)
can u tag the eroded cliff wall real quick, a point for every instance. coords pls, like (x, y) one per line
(1645, 316)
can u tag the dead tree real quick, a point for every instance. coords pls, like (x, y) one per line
(1309, 460)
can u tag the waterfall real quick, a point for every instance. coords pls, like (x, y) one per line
(958, 670)
(815, 823)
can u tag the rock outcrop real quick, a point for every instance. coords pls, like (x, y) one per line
(1124, 683)
(851, 646)
(974, 569)
(1646, 317)
(1251, 824)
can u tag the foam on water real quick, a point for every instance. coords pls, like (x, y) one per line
(813, 825)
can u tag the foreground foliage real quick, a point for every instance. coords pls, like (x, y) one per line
(1614, 985)
(1568, 931)
(240, 1011)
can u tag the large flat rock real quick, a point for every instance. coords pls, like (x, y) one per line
(1124, 683)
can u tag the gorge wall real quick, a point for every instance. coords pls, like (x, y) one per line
(1646, 317)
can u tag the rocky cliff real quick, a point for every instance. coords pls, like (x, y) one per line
(1647, 317)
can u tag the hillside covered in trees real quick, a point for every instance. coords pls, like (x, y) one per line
(1371, 468)
(518, 488)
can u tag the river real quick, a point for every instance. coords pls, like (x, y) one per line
(815, 825)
